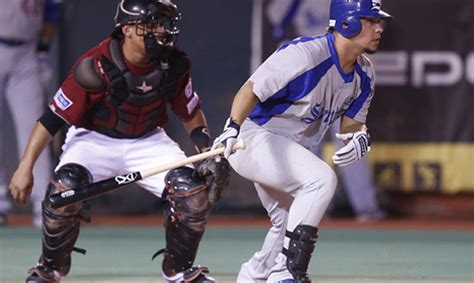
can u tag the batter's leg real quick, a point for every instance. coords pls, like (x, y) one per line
(310, 203)
(284, 165)
(358, 182)
(277, 204)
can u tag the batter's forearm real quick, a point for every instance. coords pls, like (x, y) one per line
(349, 125)
(38, 141)
(244, 102)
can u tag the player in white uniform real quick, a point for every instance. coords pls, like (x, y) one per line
(284, 109)
(26, 27)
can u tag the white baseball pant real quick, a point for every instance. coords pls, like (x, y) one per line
(106, 157)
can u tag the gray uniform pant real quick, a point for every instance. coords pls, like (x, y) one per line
(21, 89)
(356, 178)
(295, 187)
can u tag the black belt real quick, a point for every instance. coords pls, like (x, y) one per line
(11, 41)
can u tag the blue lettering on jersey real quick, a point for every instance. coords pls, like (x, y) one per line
(318, 112)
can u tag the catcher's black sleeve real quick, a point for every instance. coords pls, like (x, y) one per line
(51, 122)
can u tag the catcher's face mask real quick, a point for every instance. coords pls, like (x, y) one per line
(163, 29)
(159, 34)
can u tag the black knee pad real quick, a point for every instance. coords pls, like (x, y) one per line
(187, 211)
(187, 194)
(61, 226)
(68, 176)
(300, 249)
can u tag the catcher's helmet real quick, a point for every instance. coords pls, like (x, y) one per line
(148, 12)
(344, 15)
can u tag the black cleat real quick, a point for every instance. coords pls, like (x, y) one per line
(42, 274)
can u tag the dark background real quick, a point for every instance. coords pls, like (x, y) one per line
(217, 36)
(435, 114)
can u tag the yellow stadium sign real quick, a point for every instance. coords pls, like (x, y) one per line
(427, 167)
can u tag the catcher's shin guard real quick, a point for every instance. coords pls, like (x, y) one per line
(61, 226)
(187, 211)
(298, 254)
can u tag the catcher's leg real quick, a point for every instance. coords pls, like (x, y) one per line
(60, 226)
(187, 213)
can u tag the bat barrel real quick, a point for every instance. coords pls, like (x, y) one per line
(93, 190)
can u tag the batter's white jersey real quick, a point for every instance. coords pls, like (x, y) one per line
(302, 89)
(21, 19)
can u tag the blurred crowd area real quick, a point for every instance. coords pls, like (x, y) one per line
(423, 143)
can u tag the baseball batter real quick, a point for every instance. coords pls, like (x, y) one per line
(115, 100)
(282, 111)
(26, 27)
(309, 17)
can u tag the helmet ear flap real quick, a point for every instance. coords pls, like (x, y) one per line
(350, 27)
(344, 15)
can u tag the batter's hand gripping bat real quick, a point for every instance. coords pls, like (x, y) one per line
(93, 190)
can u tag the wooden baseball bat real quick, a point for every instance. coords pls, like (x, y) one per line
(93, 190)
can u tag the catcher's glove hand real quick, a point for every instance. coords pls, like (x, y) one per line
(217, 175)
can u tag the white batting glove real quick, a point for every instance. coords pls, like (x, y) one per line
(355, 149)
(228, 137)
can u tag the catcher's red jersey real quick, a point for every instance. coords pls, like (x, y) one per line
(132, 100)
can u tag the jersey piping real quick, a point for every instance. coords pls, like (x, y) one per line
(295, 90)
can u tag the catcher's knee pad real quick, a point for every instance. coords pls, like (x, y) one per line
(187, 194)
(298, 254)
(187, 211)
(68, 176)
(61, 226)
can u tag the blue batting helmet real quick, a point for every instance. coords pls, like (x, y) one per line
(344, 15)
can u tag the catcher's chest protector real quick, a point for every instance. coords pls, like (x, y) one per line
(135, 104)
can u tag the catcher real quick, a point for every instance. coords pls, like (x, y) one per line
(114, 100)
